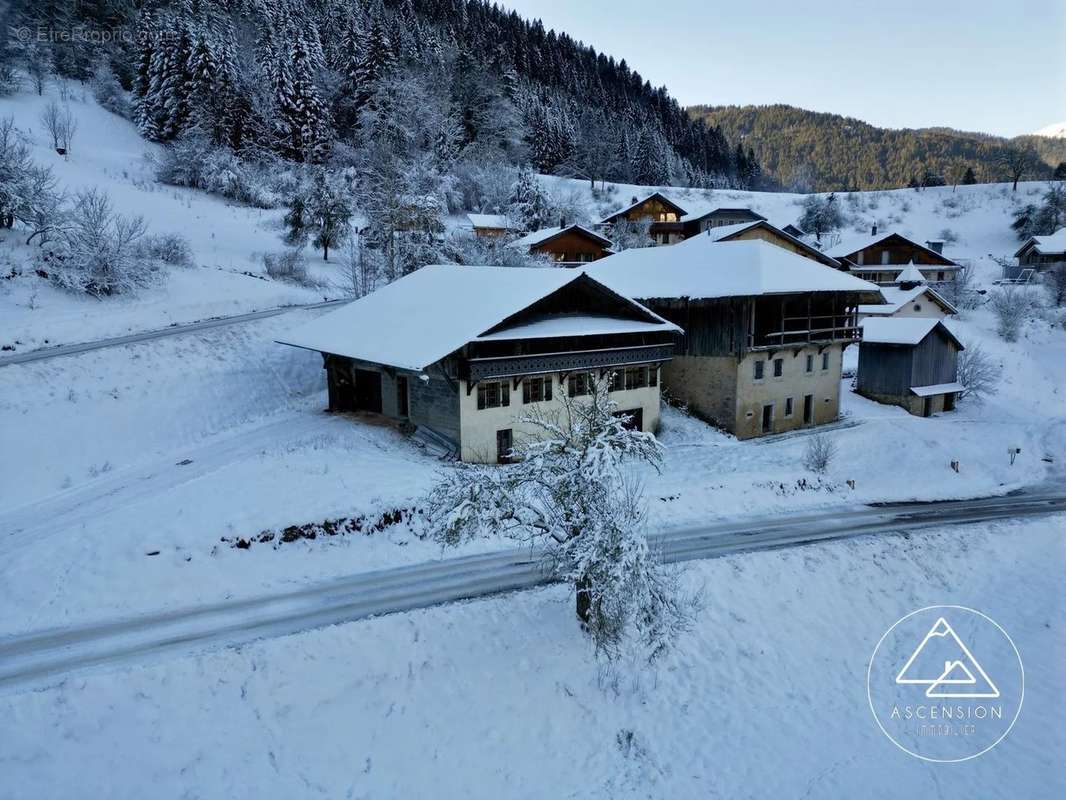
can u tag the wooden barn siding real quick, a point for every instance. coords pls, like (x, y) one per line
(899, 253)
(435, 403)
(935, 361)
(884, 369)
(712, 328)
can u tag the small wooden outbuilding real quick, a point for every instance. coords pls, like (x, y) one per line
(911, 362)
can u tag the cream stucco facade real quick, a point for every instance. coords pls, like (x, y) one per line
(479, 427)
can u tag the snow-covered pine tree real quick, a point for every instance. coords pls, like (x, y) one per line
(303, 120)
(173, 93)
(529, 207)
(377, 60)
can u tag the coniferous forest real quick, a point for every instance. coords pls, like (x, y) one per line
(315, 80)
(811, 151)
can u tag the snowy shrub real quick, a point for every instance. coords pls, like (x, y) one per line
(949, 236)
(960, 291)
(1012, 307)
(977, 373)
(571, 493)
(821, 215)
(27, 190)
(819, 453)
(462, 248)
(108, 91)
(167, 248)
(194, 162)
(96, 250)
(626, 234)
(288, 266)
(1055, 281)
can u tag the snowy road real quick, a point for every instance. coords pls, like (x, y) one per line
(43, 656)
(145, 336)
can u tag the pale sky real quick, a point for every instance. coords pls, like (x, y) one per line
(998, 67)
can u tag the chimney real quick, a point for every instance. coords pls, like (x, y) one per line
(873, 230)
(936, 245)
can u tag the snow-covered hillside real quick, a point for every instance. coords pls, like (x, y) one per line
(227, 240)
(1056, 129)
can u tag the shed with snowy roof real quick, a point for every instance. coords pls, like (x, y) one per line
(461, 352)
(565, 245)
(909, 362)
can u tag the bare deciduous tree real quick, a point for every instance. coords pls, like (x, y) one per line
(1016, 162)
(61, 125)
(570, 494)
(977, 373)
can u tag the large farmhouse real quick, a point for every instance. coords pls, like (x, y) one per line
(566, 245)
(911, 363)
(881, 257)
(461, 351)
(764, 328)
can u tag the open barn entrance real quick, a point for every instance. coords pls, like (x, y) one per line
(367, 390)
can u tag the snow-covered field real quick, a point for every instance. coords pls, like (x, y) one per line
(766, 697)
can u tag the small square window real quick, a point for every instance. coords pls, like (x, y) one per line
(760, 366)
(779, 367)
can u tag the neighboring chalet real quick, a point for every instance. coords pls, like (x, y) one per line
(490, 226)
(1043, 252)
(662, 212)
(670, 223)
(699, 222)
(761, 229)
(461, 352)
(764, 328)
(567, 245)
(910, 297)
(880, 258)
(911, 363)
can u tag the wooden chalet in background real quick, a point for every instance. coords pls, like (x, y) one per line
(911, 363)
(880, 258)
(459, 351)
(909, 297)
(763, 230)
(566, 245)
(700, 222)
(490, 226)
(765, 328)
(662, 212)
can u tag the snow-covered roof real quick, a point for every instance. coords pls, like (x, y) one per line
(706, 209)
(544, 234)
(701, 268)
(910, 274)
(495, 221)
(896, 298)
(854, 244)
(1047, 245)
(938, 388)
(901, 330)
(725, 231)
(423, 317)
(575, 325)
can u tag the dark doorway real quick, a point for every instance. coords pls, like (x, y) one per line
(504, 445)
(768, 418)
(927, 407)
(402, 407)
(633, 419)
(367, 390)
(808, 409)
(341, 388)
(949, 401)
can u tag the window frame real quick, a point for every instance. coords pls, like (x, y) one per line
(502, 396)
(759, 370)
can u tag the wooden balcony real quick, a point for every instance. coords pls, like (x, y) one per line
(817, 330)
(479, 369)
